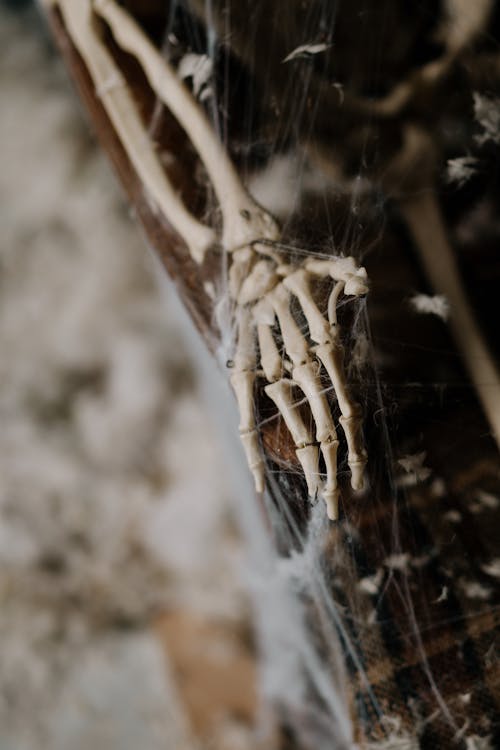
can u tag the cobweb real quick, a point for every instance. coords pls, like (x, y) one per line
(377, 630)
(370, 130)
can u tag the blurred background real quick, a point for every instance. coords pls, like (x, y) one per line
(123, 622)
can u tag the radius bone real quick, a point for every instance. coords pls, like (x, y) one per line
(244, 221)
(123, 114)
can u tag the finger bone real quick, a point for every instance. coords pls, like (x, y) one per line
(245, 357)
(331, 492)
(242, 260)
(298, 284)
(269, 354)
(262, 279)
(250, 441)
(263, 312)
(357, 284)
(331, 498)
(309, 460)
(332, 358)
(337, 268)
(356, 453)
(243, 383)
(306, 377)
(342, 269)
(294, 342)
(281, 393)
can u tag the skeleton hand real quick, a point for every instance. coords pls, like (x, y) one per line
(264, 291)
(262, 286)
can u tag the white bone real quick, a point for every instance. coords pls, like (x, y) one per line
(330, 492)
(243, 260)
(306, 377)
(357, 472)
(285, 269)
(245, 357)
(269, 354)
(242, 381)
(298, 284)
(244, 221)
(342, 269)
(293, 340)
(332, 308)
(248, 231)
(331, 498)
(338, 268)
(332, 359)
(269, 251)
(121, 110)
(281, 393)
(263, 312)
(262, 279)
(357, 284)
(309, 460)
(253, 453)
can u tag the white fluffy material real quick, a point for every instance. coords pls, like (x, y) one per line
(306, 50)
(102, 520)
(427, 304)
(461, 169)
(487, 114)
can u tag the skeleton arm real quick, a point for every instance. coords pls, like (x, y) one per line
(262, 287)
(120, 107)
(243, 220)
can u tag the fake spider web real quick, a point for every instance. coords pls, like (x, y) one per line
(368, 130)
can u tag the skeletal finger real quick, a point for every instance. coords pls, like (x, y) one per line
(242, 260)
(298, 283)
(261, 279)
(331, 491)
(305, 374)
(293, 340)
(269, 355)
(242, 381)
(330, 353)
(341, 269)
(281, 393)
(332, 358)
(356, 453)
(307, 378)
(297, 349)
(332, 307)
